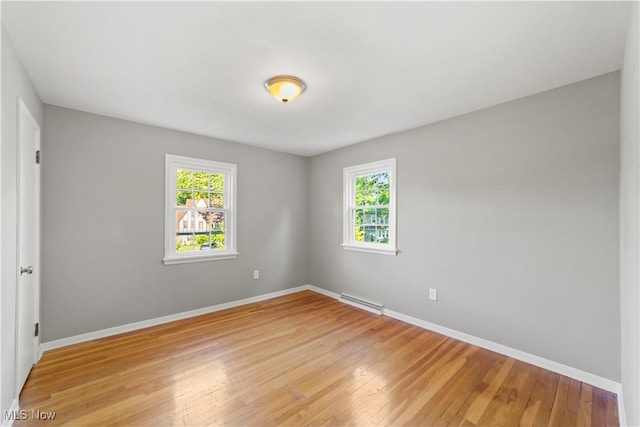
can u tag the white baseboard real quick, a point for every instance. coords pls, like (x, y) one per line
(541, 362)
(323, 292)
(559, 368)
(38, 351)
(103, 333)
(14, 409)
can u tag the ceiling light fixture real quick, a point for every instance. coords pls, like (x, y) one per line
(284, 88)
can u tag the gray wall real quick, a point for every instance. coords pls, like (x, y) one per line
(103, 224)
(510, 212)
(15, 84)
(629, 222)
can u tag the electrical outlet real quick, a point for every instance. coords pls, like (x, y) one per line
(433, 294)
(256, 274)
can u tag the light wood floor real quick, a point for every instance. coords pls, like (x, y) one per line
(301, 359)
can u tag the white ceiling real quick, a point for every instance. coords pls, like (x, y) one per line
(371, 68)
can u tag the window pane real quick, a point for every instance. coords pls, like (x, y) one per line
(365, 183)
(184, 179)
(201, 232)
(218, 241)
(382, 188)
(210, 244)
(369, 233)
(368, 216)
(357, 228)
(216, 182)
(184, 243)
(372, 189)
(184, 231)
(382, 234)
(184, 198)
(359, 234)
(217, 230)
(362, 191)
(365, 216)
(204, 243)
(201, 199)
(371, 225)
(216, 200)
(358, 215)
(382, 216)
(380, 180)
(216, 221)
(202, 239)
(361, 183)
(361, 198)
(200, 180)
(201, 224)
(183, 221)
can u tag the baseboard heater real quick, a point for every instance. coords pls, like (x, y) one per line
(361, 303)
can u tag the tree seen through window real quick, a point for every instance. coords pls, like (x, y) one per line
(200, 199)
(372, 208)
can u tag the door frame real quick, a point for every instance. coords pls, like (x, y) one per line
(24, 112)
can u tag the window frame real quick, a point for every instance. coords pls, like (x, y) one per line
(229, 170)
(350, 174)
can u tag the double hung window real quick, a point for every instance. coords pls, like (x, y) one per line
(200, 216)
(369, 210)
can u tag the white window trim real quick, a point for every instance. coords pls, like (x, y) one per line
(172, 164)
(349, 175)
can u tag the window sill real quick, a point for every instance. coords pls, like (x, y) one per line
(198, 258)
(370, 249)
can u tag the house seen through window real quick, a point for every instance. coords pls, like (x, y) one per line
(371, 208)
(200, 222)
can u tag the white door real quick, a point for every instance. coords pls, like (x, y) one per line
(28, 242)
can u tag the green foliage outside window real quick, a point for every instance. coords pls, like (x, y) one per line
(372, 194)
(201, 189)
(196, 185)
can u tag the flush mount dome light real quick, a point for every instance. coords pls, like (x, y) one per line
(284, 88)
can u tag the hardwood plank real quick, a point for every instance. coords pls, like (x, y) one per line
(538, 410)
(459, 418)
(300, 359)
(480, 404)
(584, 413)
(599, 408)
(524, 396)
(505, 398)
(612, 410)
(455, 394)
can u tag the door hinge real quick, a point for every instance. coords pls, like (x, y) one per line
(38, 157)
(36, 332)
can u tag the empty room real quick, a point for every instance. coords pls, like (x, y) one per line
(320, 213)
